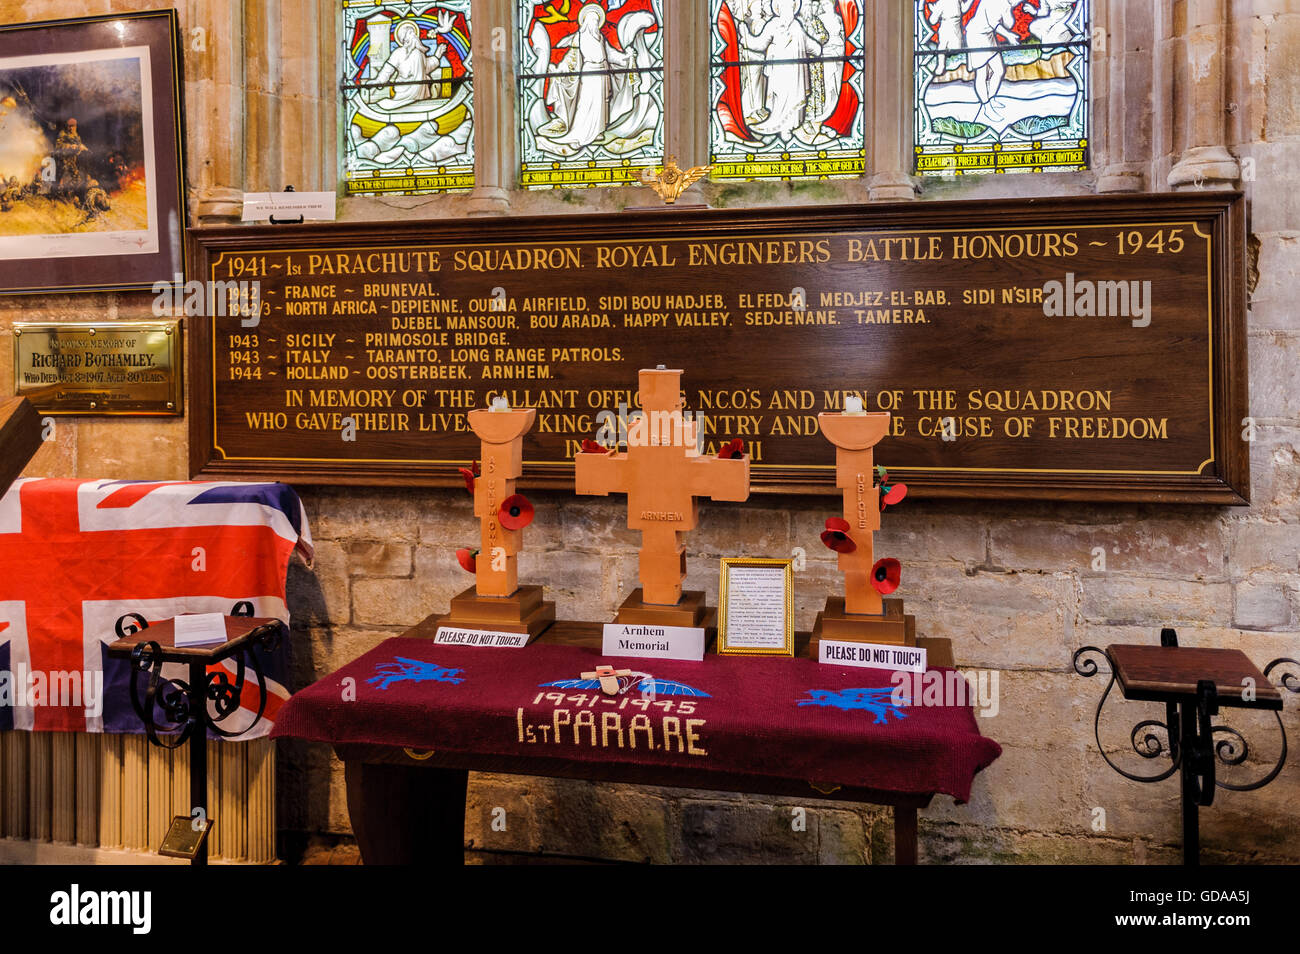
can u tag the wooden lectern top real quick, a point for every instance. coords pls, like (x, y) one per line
(20, 438)
(854, 432)
(501, 427)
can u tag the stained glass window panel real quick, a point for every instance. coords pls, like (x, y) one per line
(786, 84)
(408, 99)
(1001, 86)
(590, 91)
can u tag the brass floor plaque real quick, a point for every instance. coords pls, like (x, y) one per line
(182, 840)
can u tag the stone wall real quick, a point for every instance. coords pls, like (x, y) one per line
(1013, 585)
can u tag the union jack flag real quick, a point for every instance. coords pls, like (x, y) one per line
(85, 562)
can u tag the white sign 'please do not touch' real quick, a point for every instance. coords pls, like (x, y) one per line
(453, 636)
(871, 656)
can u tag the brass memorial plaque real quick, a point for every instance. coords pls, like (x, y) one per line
(120, 367)
(1086, 348)
(183, 840)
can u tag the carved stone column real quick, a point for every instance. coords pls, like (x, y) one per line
(687, 91)
(888, 85)
(214, 108)
(1205, 162)
(307, 95)
(261, 96)
(1122, 61)
(495, 136)
(686, 83)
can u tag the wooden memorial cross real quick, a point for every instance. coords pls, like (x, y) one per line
(20, 438)
(663, 474)
(502, 435)
(497, 602)
(860, 614)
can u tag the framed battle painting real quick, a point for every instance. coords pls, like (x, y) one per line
(91, 154)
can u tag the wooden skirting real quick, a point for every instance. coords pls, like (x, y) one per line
(65, 795)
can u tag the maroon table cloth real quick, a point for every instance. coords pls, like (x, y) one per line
(777, 717)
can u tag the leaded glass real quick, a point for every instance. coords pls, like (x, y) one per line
(786, 82)
(1001, 86)
(590, 91)
(408, 98)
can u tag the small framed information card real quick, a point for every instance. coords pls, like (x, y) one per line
(756, 607)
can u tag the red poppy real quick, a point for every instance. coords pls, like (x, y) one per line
(516, 512)
(886, 574)
(468, 559)
(732, 449)
(836, 536)
(893, 494)
(592, 447)
(470, 473)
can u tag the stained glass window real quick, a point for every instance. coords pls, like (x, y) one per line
(1001, 86)
(590, 91)
(408, 98)
(787, 89)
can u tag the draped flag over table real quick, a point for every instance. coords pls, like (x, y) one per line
(84, 562)
(730, 717)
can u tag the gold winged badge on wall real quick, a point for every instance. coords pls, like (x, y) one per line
(673, 180)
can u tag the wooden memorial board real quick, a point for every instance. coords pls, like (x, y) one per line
(1086, 348)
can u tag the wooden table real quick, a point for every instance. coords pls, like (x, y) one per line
(408, 807)
(1193, 683)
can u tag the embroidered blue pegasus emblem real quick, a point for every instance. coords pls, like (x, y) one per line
(414, 670)
(879, 701)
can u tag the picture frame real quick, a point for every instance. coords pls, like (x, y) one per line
(92, 162)
(756, 593)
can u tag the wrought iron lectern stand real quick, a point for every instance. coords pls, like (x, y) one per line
(1194, 684)
(185, 704)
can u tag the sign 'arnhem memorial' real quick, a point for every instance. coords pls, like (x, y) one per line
(1088, 349)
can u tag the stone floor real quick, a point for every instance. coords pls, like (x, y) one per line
(344, 851)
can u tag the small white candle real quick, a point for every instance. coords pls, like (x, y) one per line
(853, 405)
(500, 404)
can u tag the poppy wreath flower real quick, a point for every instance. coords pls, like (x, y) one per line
(468, 559)
(893, 493)
(732, 449)
(890, 494)
(836, 536)
(516, 512)
(886, 575)
(470, 474)
(592, 447)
